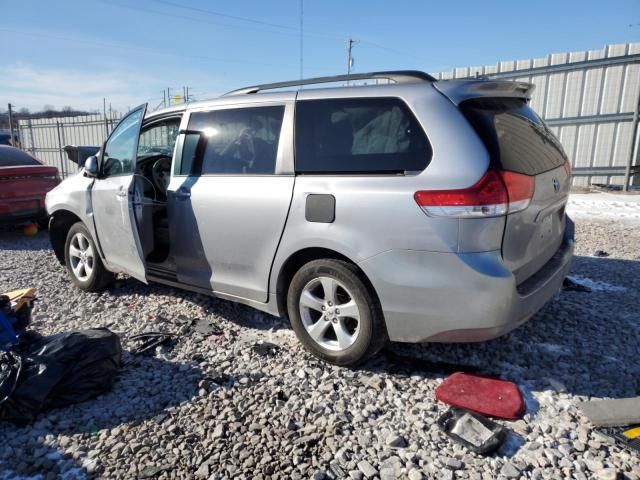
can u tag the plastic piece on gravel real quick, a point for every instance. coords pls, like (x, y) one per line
(486, 396)
(148, 341)
(612, 413)
(475, 432)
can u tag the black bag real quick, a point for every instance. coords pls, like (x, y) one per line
(57, 371)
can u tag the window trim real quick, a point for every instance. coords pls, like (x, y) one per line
(159, 119)
(372, 173)
(102, 176)
(284, 154)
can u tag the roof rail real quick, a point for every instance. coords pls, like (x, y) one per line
(398, 76)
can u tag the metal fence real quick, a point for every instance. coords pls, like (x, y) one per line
(45, 138)
(590, 99)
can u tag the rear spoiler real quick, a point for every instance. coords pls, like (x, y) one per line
(460, 90)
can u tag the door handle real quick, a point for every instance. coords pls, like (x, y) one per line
(121, 193)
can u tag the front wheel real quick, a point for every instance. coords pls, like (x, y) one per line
(83, 261)
(334, 313)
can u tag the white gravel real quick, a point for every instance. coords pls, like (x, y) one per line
(213, 407)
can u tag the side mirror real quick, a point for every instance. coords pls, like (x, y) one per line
(91, 166)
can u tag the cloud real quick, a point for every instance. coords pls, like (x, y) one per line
(27, 86)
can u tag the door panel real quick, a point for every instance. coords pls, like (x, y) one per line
(227, 213)
(228, 231)
(112, 199)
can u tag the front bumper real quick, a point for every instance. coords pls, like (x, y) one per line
(459, 297)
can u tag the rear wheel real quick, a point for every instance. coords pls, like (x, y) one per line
(83, 261)
(334, 313)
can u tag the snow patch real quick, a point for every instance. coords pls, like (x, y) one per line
(604, 206)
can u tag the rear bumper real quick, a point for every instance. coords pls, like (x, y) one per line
(19, 210)
(459, 297)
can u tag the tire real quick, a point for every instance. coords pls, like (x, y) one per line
(83, 261)
(346, 337)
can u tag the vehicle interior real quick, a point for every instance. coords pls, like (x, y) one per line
(152, 176)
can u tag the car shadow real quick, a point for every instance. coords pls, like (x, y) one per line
(147, 390)
(211, 306)
(584, 343)
(12, 237)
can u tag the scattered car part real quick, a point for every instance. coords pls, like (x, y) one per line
(148, 341)
(627, 437)
(487, 396)
(266, 349)
(612, 413)
(477, 433)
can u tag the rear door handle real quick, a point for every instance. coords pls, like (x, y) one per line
(121, 193)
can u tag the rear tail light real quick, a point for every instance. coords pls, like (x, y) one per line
(496, 193)
(567, 167)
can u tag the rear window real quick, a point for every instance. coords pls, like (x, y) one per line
(361, 135)
(13, 157)
(515, 136)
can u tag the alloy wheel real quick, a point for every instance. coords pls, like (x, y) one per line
(82, 257)
(329, 313)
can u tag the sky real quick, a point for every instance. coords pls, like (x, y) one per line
(77, 52)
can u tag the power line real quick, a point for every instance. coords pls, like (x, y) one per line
(289, 29)
(224, 15)
(144, 49)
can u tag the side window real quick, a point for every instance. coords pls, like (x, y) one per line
(238, 141)
(159, 138)
(360, 135)
(120, 152)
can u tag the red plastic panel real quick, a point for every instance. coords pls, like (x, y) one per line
(486, 396)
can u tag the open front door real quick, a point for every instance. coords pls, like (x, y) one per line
(112, 198)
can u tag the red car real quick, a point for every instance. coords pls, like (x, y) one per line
(24, 182)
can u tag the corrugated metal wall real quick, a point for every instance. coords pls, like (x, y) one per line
(589, 99)
(45, 138)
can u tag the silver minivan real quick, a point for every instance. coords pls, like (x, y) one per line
(410, 210)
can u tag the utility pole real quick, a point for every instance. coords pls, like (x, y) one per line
(187, 94)
(11, 125)
(164, 99)
(169, 95)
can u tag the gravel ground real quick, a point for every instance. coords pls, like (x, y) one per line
(218, 407)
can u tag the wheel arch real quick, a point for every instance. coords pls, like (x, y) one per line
(59, 224)
(297, 259)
